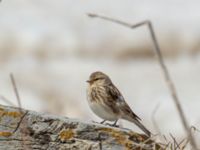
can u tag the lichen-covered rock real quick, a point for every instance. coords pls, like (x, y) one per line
(25, 130)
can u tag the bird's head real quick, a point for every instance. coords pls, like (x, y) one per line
(99, 78)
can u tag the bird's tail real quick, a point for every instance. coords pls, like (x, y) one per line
(140, 125)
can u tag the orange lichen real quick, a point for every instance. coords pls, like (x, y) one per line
(13, 114)
(120, 137)
(129, 145)
(117, 135)
(1, 111)
(66, 134)
(5, 134)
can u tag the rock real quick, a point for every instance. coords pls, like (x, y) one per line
(23, 130)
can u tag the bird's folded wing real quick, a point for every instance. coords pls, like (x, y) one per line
(115, 94)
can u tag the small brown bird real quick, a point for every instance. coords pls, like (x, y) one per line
(107, 102)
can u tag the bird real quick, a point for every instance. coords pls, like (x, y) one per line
(107, 102)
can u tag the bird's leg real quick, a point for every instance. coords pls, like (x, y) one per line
(115, 123)
(102, 122)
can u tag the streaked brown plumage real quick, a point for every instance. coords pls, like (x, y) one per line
(107, 102)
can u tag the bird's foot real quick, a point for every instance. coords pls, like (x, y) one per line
(117, 126)
(94, 121)
(102, 122)
(114, 124)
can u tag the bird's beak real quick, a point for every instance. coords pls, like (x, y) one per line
(88, 81)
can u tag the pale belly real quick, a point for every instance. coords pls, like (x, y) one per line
(103, 112)
(100, 110)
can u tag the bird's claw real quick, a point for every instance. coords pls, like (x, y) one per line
(112, 125)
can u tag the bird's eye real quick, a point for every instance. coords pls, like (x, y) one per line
(97, 79)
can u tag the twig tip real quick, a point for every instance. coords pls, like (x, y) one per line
(91, 15)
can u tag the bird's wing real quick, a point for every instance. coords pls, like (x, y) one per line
(120, 101)
(127, 111)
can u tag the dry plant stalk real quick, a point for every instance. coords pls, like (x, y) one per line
(4, 99)
(20, 110)
(154, 120)
(15, 90)
(167, 76)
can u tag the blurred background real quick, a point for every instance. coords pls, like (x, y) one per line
(52, 47)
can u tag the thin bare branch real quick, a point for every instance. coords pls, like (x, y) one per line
(180, 143)
(167, 145)
(167, 76)
(176, 145)
(193, 128)
(185, 145)
(118, 21)
(153, 118)
(6, 101)
(15, 90)
(165, 138)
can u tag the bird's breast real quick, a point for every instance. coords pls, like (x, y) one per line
(103, 111)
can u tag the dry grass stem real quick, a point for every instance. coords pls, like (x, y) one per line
(15, 90)
(6, 101)
(194, 129)
(175, 143)
(153, 118)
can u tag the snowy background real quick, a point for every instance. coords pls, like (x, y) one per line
(52, 47)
